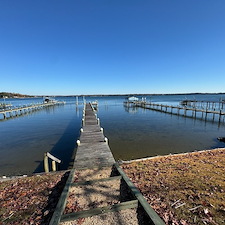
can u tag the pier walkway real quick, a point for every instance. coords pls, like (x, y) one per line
(183, 110)
(10, 113)
(97, 188)
(93, 149)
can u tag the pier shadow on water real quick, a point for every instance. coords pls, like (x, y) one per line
(64, 149)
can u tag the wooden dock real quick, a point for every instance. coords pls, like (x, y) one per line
(219, 105)
(15, 112)
(95, 173)
(183, 110)
(93, 149)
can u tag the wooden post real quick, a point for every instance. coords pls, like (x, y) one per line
(46, 167)
(220, 115)
(53, 165)
(206, 113)
(185, 111)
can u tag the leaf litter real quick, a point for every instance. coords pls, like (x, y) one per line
(30, 200)
(185, 188)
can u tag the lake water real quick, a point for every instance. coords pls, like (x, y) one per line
(132, 133)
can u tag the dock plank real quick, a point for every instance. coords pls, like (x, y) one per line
(92, 151)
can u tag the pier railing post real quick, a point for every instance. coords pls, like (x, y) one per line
(46, 166)
(53, 165)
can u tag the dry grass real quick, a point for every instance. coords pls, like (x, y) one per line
(30, 200)
(183, 189)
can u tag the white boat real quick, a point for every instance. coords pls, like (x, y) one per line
(49, 100)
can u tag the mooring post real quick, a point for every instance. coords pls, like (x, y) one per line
(185, 111)
(46, 166)
(214, 114)
(78, 142)
(220, 115)
(53, 165)
(206, 113)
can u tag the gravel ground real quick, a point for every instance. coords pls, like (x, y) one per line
(99, 194)
(93, 174)
(123, 217)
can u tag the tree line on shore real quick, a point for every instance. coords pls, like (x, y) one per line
(13, 95)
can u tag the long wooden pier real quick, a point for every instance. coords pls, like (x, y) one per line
(99, 186)
(93, 149)
(183, 110)
(10, 113)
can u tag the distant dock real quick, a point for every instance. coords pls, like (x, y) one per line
(183, 110)
(15, 112)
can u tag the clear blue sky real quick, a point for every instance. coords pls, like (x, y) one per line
(69, 47)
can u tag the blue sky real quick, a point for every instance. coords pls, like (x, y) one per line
(69, 47)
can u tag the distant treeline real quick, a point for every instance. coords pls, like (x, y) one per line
(13, 95)
(17, 95)
(102, 95)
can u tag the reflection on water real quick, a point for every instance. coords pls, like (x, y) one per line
(24, 140)
(136, 132)
(132, 133)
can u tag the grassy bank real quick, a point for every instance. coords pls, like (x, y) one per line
(183, 189)
(30, 200)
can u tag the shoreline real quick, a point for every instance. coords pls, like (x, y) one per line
(6, 178)
(164, 156)
(142, 175)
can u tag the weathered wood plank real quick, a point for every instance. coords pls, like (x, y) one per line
(154, 217)
(56, 218)
(97, 211)
(92, 151)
